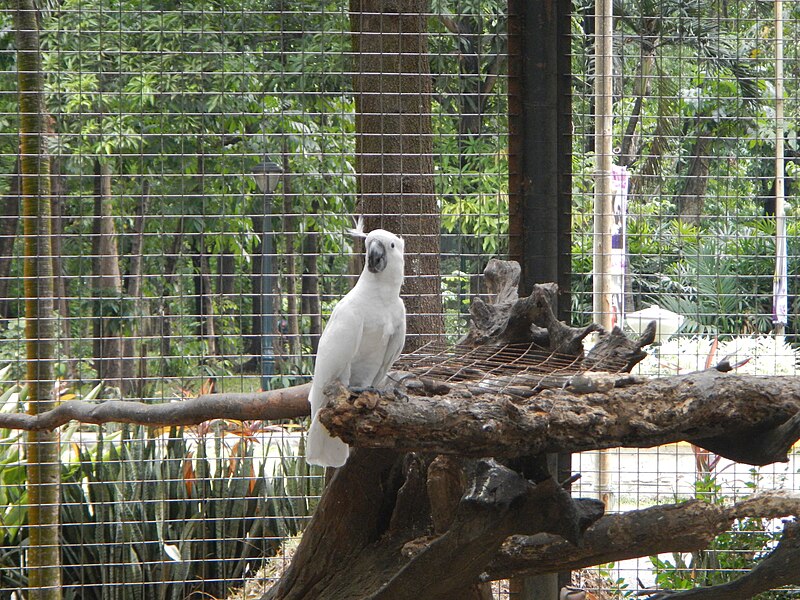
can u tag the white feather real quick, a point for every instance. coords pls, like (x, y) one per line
(362, 339)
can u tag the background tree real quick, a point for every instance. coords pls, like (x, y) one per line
(394, 147)
(44, 560)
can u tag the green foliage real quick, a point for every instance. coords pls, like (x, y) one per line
(729, 555)
(617, 587)
(167, 515)
(456, 300)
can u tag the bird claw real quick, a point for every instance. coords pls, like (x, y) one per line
(398, 394)
(364, 390)
(366, 397)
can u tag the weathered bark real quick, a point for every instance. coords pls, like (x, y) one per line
(757, 423)
(109, 350)
(671, 528)
(43, 454)
(394, 146)
(287, 403)
(370, 518)
(683, 527)
(510, 320)
(9, 226)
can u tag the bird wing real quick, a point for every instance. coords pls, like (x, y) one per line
(337, 348)
(394, 345)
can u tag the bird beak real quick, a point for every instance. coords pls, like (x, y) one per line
(376, 257)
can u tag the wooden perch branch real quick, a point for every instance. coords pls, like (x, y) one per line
(683, 527)
(288, 403)
(780, 567)
(745, 418)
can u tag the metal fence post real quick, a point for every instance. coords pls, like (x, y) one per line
(540, 177)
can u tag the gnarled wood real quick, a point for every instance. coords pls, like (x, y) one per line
(683, 527)
(288, 403)
(640, 413)
(364, 521)
(509, 319)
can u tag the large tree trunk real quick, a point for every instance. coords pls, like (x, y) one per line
(9, 228)
(112, 365)
(375, 517)
(43, 452)
(394, 146)
(692, 197)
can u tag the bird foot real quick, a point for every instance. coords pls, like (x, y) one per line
(366, 397)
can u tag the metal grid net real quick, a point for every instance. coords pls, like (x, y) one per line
(701, 100)
(203, 162)
(176, 258)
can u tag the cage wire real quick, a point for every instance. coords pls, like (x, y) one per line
(705, 169)
(203, 177)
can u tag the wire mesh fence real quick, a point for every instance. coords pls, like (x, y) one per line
(704, 161)
(204, 171)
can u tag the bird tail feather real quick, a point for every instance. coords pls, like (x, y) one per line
(323, 449)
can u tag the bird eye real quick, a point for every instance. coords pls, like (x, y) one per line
(392, 244)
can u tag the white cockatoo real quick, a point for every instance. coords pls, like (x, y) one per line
(364, 336)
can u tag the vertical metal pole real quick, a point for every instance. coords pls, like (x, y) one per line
(540, 164)
(780, 284)
(604, 196)
(540, 177)
(267, 290)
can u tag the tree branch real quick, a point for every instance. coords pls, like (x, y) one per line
(287, 403)
(780, 567)
(698, 407)
(683, 527)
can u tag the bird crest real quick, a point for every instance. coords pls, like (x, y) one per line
(358, 230)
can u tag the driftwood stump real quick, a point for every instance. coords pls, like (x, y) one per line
(433, 502)
(421, 525)
(447, 488)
